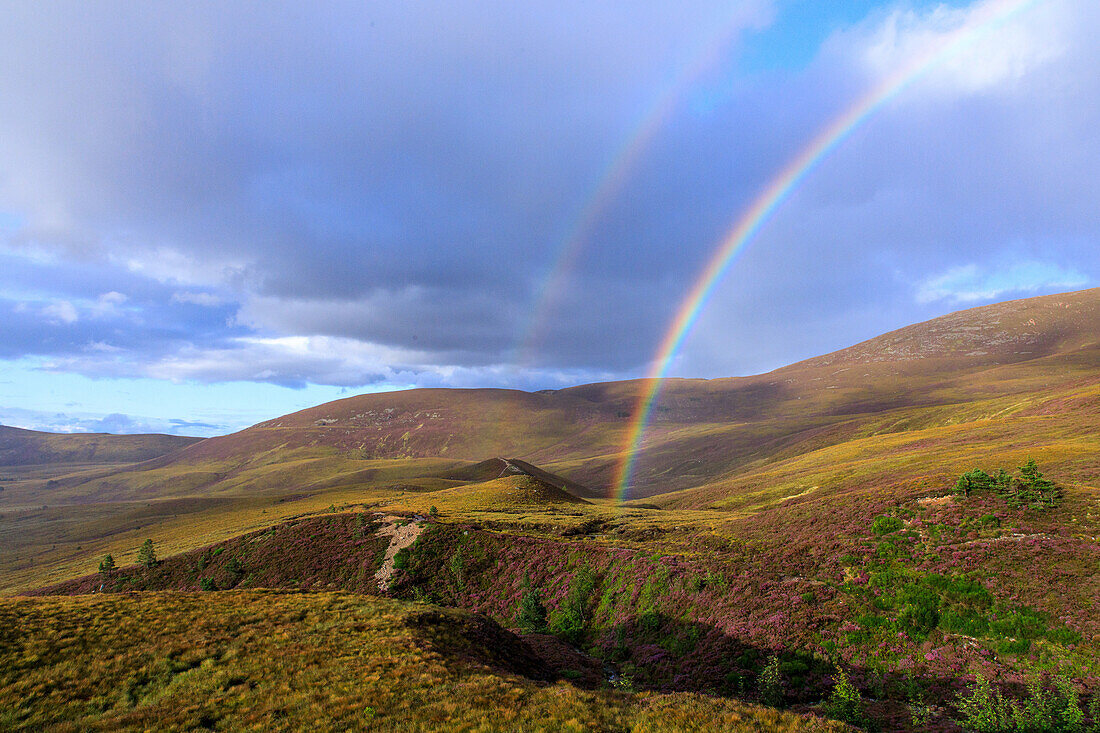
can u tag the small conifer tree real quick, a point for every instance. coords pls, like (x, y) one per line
(147, 556)
(106, 566)
(532, 614)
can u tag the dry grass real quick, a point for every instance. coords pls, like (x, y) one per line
(275, 661)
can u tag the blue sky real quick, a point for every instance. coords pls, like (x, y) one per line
(211, 216)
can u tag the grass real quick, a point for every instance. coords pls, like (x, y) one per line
(824, 492)
(278, 661)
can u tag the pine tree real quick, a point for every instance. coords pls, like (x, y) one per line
(107, 566)
(147, 556)
(532, 614)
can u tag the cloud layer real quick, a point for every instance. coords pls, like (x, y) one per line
(373, 194)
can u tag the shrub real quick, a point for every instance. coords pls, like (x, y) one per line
(974, 480)
(1044, 710)
(147, 556)
(771, 683)
(532, 614)
(920, 612)
(208, 584)
(844, 703)
(1034, 489)
(983, 710)
(1029, 489)
(886, 525)
(570, 621)
(623, 683)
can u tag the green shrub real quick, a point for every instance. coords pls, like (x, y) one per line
(532, 614)
(1029, 489)
(208, 584)
(983, 710)
(1043, 710)
(147, 555)
(570, 621)
(920, 610)
(974, 480)
(771, 683)
(844, 703)
(885, 525)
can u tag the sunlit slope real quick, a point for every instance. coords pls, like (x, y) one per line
(327, 661)
(920, 452)
(701, 430)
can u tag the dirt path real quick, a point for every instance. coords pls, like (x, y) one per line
(400, 538)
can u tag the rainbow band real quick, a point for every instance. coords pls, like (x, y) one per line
(614, 177)
(750, 222)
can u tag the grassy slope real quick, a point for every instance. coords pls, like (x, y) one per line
(701, 429)
(777, 504)
(277, 661)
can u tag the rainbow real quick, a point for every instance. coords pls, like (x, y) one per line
(613, 177)
(985, 19)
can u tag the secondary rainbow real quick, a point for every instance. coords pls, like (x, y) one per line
(990, 16)
(613, 177)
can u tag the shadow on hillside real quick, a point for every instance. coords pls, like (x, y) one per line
(655, 651)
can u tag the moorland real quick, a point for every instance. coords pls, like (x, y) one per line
(902, 535)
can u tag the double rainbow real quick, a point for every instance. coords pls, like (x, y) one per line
(982, 21)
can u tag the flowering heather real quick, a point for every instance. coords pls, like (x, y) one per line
(336, 552)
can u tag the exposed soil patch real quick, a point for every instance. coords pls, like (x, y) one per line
(400, 537)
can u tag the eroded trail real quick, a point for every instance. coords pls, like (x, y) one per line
(400, 537)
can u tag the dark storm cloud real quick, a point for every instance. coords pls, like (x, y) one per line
(376, 192)
(415, 164)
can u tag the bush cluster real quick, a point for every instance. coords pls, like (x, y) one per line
(1048, 708)
(1029, 488)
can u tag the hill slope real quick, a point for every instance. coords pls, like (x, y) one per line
(20, 447)
(278, 661)
(701, 429)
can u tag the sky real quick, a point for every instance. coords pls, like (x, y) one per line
(212, 214)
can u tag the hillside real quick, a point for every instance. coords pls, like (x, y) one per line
(808, 521)
(20, 447)
(701, 429)
(187, 661)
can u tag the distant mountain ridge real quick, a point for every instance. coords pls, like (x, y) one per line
(19, 447)
(700, 429)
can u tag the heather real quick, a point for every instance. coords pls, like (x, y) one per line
(338, 551)
(900, 544)
(911, 603)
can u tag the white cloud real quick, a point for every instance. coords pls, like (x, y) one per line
(987, 46)
(971, 283)
(299, 360)
(208, 300)
(63, 312)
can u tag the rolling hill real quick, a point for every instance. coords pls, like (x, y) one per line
(806, 520)
(20, 447)
(966, 365)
